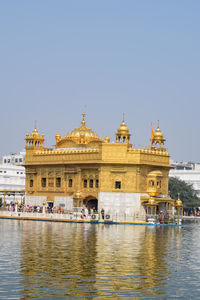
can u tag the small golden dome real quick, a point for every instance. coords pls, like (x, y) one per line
(107, 139)
(123, 128)
(35, 133)
(123, 135)
(178, 201)
(158, 134)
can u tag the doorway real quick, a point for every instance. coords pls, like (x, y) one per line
(91, 203)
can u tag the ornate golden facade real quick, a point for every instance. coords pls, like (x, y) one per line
(83, 169)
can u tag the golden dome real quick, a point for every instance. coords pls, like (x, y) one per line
(123, 128)
(158, 134)
(80, 132)
(35, 133)
(178, 201)
(83, 132)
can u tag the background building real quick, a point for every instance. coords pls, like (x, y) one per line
(12, 178)
(188, 172)
(14, 159)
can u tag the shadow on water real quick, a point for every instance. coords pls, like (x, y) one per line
(76, 261)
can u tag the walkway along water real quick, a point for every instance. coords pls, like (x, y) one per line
(77, 217)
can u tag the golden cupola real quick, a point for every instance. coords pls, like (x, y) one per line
(157, 139)
(178, 201)
(123, 135)
(34, 140)
(81, 136)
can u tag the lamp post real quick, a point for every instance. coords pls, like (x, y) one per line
(4, 200)
(179, 209)
(16, 206)
(43, 208)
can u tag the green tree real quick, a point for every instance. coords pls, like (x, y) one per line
(187, 193)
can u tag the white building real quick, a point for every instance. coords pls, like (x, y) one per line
(188, 172)
(14, 159)
(12, 178)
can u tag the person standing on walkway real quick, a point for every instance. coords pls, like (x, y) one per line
(102, 213)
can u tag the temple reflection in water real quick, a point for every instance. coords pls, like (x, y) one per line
(79, 259)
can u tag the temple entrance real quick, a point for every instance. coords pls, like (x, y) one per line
(91, 203)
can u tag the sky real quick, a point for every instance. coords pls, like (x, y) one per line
(141, 58)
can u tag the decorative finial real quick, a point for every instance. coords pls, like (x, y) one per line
(83, 120)
(178, 196)
(158, 123)
(35, 125)
(123, 117)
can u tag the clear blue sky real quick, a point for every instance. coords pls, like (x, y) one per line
(60, 58)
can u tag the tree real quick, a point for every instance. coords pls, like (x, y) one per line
(187, 193)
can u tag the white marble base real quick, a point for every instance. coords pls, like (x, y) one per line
(122, 206)
(35, 200)
(67, 201)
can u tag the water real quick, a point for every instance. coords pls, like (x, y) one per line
(83, 261)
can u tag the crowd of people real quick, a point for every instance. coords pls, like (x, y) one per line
(85, 211)
(29, 208)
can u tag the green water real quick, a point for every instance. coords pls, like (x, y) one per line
(86, 261)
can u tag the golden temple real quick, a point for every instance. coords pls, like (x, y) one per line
(83, 170)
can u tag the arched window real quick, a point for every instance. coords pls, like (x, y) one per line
(70, 183)
(91, 183)
(151, 183)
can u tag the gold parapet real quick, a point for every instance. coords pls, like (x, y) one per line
(148, 151)
(57, 152)
(145, 199)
